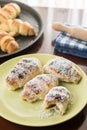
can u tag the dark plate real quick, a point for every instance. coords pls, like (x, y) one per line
(30, 15)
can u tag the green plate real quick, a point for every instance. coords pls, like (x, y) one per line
(14, 109)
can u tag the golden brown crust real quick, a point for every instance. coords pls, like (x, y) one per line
(18, 27)
(14, 6)
(7, 43)
(2, 17)
(12, 46)
(9, 11)
(13, 27)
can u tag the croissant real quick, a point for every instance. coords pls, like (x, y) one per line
(22, 72)
(58, 98)
(7, 43)
(17, 26)
(64, 69)
(36, 88)
(9, 11)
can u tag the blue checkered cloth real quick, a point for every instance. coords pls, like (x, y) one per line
(67, 44)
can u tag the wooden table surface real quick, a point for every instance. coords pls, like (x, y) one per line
(44, 45)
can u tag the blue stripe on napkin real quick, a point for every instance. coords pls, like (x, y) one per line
(67, 44)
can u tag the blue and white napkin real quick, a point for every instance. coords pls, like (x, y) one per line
(67, 44)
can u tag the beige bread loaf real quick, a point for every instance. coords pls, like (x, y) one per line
(38, 87)
(7, 43)
(9, 11)
(23, 71)
(17, 27)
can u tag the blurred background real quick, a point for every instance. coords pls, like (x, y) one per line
(77, 9)
(79, 4)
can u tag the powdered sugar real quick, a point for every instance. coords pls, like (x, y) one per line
(63, 68)
(58, 93)
(61, 65)
(23, 71)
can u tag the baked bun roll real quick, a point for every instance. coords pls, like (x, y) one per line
(64, 69)
(38, 87)
(9, 11)
(23, 71)
(58, 99)
(8, 43)
(17, 27)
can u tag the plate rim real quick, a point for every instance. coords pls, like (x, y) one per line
(16, 122)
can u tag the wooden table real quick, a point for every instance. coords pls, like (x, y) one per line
(44, 45)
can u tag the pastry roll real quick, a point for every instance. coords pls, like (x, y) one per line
(23, 71)
(17, 27)
(9, 11)
(64, 69)
(38, 87)
(7, 43)
(58, 99)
